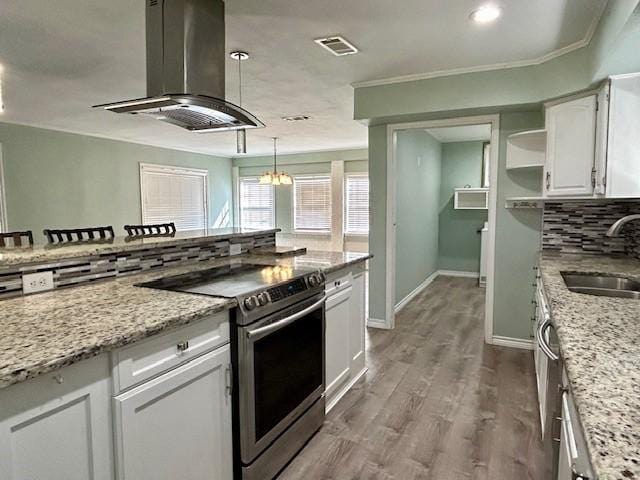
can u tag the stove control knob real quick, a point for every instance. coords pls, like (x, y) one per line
(263, 299)
(314, 280)
(250, 303)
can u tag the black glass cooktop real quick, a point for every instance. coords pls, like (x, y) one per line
(229, 281)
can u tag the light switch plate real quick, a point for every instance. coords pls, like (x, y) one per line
(37, 282)
(235, 249)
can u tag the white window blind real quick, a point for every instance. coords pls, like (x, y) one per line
(356, 205)
(256, 204)
(312, 203)
(174, 194)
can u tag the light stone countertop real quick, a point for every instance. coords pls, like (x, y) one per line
(600, 345)
(43, 332)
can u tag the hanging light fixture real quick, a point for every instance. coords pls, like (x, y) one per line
(275, 177)
(241, 135)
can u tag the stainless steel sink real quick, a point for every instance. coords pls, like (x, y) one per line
(602, 285)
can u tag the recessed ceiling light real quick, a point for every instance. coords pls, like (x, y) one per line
(295, 118)
(485, 14)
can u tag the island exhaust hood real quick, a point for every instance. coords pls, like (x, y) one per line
(186, 69)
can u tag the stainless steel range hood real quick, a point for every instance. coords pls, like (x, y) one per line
(186, 69)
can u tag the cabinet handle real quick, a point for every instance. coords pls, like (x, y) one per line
(182, 346)
(593, 177)
(548, 180)
(229, 380)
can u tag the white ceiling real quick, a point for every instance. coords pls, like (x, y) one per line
(468, 133)
(62, 56)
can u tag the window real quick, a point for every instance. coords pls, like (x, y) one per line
(174, 194)
(486, 161)
(356, 216)
(312, 204)
(256, 204)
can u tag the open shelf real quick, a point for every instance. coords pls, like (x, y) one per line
(471, 199)
(526, 149)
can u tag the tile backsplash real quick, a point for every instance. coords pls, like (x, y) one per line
(77, 271)
(580, 227)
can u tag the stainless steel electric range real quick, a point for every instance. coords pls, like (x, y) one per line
(278, 345)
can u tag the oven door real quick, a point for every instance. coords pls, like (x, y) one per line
(281, 372)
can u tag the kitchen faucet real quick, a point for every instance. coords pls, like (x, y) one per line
(614, 231)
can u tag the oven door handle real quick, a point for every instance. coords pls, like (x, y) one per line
(262, 331)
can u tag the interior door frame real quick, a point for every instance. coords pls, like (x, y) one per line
(3, 197)
(392, 140)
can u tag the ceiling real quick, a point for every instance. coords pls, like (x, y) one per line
(60, 57)
(468, 133)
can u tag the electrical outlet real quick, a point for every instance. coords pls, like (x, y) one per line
(37, 282)
(235, 248)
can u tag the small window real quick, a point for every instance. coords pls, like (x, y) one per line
(174, 194)
(312, 204)
(256, 204)
(356, 216)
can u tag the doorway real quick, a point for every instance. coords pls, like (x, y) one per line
(438, 201)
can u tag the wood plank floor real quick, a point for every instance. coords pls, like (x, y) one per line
(436, 403)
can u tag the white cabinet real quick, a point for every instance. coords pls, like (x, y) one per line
(58, 426)
(345, 331)
(178, 425)
(471, 198)
(620, 145)
(592, 147)
(338, 358)
(571, 140)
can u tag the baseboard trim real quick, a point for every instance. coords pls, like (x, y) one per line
(344, 390)
(512, 342)
(456, 273)
(416, 291)
(377, 323)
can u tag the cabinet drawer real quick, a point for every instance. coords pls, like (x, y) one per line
(146, 359)
(335, 284)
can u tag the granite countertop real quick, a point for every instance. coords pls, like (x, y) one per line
(600, 345)
(47, 331)
(38, 253)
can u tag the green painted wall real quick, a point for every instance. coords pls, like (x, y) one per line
(517, 236)
(613, 49)
(418, 193)
(314, 163)
(377, 226)
(458, 240)
(64, 180)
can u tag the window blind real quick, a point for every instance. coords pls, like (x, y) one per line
(256, 204)
(356, 205)
(173, 194)
(312, 203)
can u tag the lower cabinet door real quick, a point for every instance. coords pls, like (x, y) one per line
(58, 426)
(178, 426)
(357, 324)
(338, 354)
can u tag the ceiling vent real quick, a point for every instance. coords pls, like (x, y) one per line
(337, 45)
(295, 118)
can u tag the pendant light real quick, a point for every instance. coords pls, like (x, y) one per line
(241, 135)
(274, 177)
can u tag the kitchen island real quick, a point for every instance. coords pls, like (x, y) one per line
(127, 374)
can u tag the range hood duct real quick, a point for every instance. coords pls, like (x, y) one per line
(186, 69)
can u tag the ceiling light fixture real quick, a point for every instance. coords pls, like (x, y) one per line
(275, 177)
(241, 135)
(486, 14)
